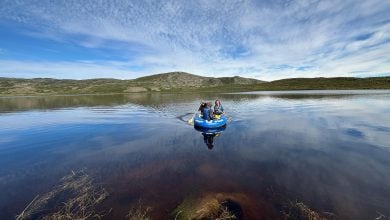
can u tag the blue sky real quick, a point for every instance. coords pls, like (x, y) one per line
(268, 40)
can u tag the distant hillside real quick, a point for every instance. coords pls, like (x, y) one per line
(327, 83)
(173, 81)
(180, 82)
(186, 80)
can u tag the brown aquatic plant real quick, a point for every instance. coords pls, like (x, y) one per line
(225, 214)
(139, 213)
(207, 207)
(77, 195)
(299, 210)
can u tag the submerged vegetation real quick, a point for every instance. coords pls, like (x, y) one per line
(223, 206)
(299, 210)
(139, 212)
(211, 206)
(75, 197)
(180, 82)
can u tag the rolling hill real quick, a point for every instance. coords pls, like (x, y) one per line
(180, 82)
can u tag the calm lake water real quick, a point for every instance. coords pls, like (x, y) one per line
(327, 149)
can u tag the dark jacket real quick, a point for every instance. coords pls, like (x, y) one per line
(206, 113)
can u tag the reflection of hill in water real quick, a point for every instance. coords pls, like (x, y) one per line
(11, 104)
(313, 96)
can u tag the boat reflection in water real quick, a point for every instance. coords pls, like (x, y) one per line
(209, 134)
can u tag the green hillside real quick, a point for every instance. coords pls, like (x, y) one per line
(180, 82)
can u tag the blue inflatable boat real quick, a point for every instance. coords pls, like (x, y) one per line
(211, 130)
(215, 123)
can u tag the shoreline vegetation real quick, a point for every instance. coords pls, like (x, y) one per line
(180, 82)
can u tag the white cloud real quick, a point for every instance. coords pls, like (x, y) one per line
(64, 70)
(213, 37)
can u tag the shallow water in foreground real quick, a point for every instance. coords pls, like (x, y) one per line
(327, 149)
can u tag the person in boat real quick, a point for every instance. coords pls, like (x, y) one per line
(218, 109)
(206, 110)
(211, 112)
(202, 106)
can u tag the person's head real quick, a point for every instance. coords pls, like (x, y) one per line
(202, 106)
(217, 102)
(209, 104)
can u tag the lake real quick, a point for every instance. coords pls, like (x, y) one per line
(327, 151)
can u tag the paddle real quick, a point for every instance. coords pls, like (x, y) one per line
(191, 120)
